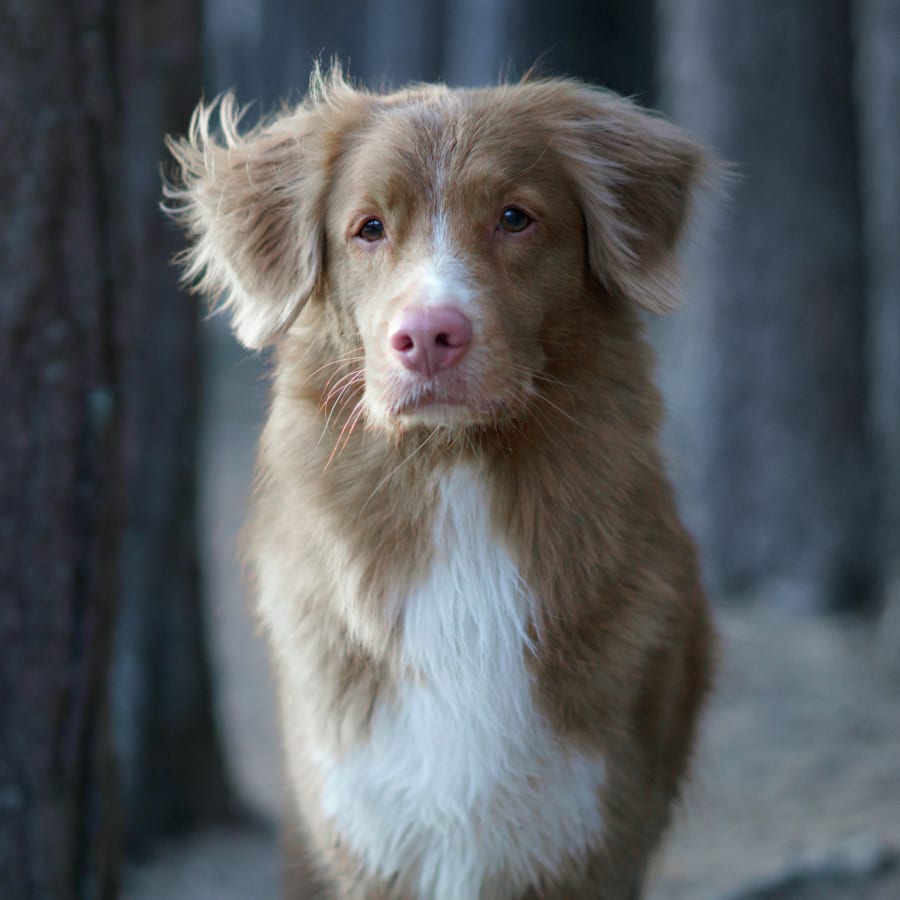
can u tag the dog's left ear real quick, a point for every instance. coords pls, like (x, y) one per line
(636, 174)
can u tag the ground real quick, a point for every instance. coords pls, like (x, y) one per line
(796, 788)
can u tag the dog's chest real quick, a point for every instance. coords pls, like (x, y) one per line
(462, 784)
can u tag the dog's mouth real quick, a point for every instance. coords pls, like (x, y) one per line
(423, 395)
(475, 395)
(434, 404)
(436, 408)
(426, 397)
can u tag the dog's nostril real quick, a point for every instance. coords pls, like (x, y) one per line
(403, 343)
(443, 340)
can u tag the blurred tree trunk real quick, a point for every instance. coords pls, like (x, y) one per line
(610, 43)
(463, 42)
(403, 41)
(295, 34)
(770, 381)
(59, 447)
(878, 97)
(231, 47)
(172, 768)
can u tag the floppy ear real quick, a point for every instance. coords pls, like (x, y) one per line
(252, 205)
(635, 173)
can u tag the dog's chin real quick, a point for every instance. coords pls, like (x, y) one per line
(436, 414)
(447, 414)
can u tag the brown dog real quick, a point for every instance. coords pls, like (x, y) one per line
(485, 616)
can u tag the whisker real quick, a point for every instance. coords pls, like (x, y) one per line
(540, 396)
(345, 381)
(536, 415)
(541, 376)
(347, 362)
(340, 403)
(354, 418)
(397, 468)
(344, 358)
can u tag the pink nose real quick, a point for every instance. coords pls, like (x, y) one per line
(428, 339)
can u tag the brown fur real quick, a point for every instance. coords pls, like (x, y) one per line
(562, 415)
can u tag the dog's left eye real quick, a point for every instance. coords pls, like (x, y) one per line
(514, 220)
(371, 230)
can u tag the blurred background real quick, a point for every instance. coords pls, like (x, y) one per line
(139, 754)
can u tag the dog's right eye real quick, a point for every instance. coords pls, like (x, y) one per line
(514, 220)
(372, 230)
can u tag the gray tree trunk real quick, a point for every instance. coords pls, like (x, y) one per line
(610, 43)
(59, 447)
(402, 41)
(768, 377)
(294, 35)
(463, 42)
(878, 98)
(172, 769)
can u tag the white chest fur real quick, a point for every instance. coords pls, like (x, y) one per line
(462, 782)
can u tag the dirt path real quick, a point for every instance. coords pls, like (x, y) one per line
(800, 762)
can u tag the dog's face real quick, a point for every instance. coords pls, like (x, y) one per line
(452, 238)
(453, 234)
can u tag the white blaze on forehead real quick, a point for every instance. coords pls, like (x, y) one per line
(440, 224)
(441, 234)
(443, 280)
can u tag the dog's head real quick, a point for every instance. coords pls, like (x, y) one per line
(444, 235)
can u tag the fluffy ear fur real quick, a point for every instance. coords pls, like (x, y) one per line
(253, 205)
(636, 174)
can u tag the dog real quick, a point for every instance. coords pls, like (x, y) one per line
(485, 617)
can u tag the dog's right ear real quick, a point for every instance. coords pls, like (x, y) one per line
(252, 205)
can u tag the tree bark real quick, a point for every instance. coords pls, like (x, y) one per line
(403, 41)
(768, 369)
(59, 441)
(878, 99)
(609, 43)
(463, 42)
(293, 35)
(173, 774)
